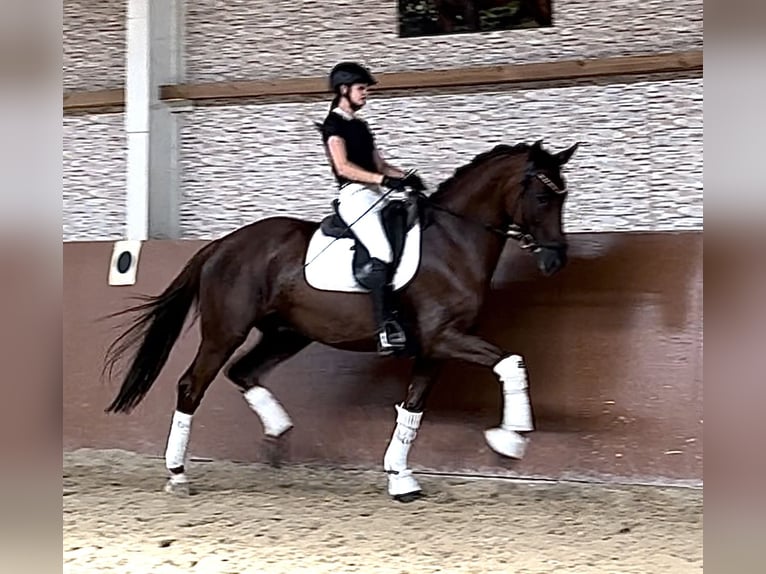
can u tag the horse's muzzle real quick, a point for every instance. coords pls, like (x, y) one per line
(551, 260)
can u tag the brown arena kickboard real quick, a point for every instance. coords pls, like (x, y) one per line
(612, 345)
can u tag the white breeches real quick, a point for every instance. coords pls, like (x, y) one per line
(354, 200)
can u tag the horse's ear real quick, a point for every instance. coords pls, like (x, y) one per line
(563, 156)
(536, 151)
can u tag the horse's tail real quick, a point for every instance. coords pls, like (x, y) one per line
(155, 331)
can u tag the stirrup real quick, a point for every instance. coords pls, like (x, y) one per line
(391, 338)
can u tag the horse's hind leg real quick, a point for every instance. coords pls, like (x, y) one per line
(276, 345)
(402, 486)
(211, 356)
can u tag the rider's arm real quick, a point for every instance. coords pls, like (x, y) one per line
(386, 168)
(337, 149)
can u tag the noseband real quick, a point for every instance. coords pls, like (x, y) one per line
(519, 232)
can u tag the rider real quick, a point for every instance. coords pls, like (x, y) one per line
(362, 173)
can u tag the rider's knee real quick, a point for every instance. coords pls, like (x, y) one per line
(373, 274)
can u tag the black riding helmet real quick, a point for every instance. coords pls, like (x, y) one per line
(350, 73)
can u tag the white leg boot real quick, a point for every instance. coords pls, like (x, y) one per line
(274, 418)
(400, 479)
(517, 412)
(175, 453)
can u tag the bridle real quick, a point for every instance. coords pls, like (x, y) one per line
(513, 230)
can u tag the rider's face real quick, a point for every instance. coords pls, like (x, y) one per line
(357, 94)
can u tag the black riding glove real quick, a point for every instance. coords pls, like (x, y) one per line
(395, 183)
(414, 182)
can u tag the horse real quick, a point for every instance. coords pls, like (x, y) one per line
(255, 278)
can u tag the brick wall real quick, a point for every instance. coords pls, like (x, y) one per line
(639, 168)
(94, 180)
(94, 44)
(243, 39)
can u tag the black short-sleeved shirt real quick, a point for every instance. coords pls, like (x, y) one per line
(360, 143)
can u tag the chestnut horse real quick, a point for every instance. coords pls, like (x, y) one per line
(253, 278)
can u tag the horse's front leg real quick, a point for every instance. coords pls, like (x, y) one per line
(510, 369)
(402, 486)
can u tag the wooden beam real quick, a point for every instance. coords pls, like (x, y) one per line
(456, 77)
(75, 100)
(474, 76)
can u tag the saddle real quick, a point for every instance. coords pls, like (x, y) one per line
(399, 217)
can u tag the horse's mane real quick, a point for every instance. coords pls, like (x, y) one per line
(498, 150)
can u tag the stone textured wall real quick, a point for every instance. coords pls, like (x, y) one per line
(244, 39)
(247, 39)
(95, 156)
(639, 166)
(94, 44)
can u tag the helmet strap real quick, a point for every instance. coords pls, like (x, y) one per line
(354, 106)
(351, 104)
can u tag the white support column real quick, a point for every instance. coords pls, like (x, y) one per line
(137, 95)
(154, 57)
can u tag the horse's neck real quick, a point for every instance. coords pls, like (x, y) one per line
(479, 193)
(479, 198)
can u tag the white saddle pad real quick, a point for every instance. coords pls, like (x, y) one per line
(332, 270)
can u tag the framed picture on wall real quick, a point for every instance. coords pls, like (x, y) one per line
(436, 17)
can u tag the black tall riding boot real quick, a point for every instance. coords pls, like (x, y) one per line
(391, 336)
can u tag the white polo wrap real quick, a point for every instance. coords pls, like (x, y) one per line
(178, 440)
(400, 479)
(517, 411)
(274, 418)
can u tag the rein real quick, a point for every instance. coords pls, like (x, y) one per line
(513, 230)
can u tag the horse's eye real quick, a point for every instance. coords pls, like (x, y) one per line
(543, 199)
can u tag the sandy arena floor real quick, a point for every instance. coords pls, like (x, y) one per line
(250, 519)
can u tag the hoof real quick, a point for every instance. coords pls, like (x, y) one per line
(177, 488)
(274, 449)
(409, 497)
(506, 442)
(402, 486)
(273, 452)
